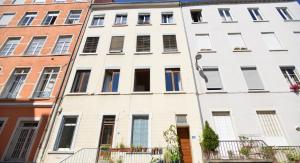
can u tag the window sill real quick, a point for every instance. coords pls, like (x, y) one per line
(143, 24)
(174, 92)
(277, 50)
(109, 93)
(64, 54)
(207, 51)
(241, 51)
(229, 21)
(170, 52)
(96, 26)
(143, 53)
(85, 54)
(119, 25)
(39, 98)
(257, 21)
(61, 152)
(167, 23)
(199, 22)
(291, 20)
(115, 53)
(258, 91)
(141, 93)
(77, 94)
(215, 91)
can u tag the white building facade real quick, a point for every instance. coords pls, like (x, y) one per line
(131, 80)
(250, 59)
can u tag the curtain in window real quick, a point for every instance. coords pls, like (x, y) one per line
(140, 131)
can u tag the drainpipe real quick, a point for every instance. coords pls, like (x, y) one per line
(49, 126)
(193, 68)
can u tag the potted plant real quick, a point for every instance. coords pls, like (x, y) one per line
(247, 146)
(295, 87)
(210, 140)
(105, 152)
(172, 153)
(245, 150)
(293, 156)
(267, 152)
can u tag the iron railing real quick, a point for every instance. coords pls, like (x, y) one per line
(116, 155)
(239, 150)
(282, 153)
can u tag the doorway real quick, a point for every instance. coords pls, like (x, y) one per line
(184, 143)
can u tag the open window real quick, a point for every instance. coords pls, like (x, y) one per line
(142, 80)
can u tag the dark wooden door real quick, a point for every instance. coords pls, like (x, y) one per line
(184, 142)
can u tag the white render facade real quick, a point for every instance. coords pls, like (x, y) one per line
(248, 95)
(158, 105)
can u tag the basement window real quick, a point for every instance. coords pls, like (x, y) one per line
(142, 80)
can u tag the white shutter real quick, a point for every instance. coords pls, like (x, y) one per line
(271, 41)
(223, 125)
(203, 42)
(273, 134)
(213, 78)
(236, 40)
(252, 78)
(6, 18)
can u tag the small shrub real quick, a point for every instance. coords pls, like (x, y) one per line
(210, 140)
(245, 151)
(293, 155)
(267, 152)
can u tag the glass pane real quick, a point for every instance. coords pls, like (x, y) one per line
(169, 84)
(66, 137)
(115, 82)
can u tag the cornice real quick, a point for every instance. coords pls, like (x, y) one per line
(207, 2)
(108, 6)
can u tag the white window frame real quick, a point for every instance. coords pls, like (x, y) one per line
(11, 45)
(258, 16)
(168, 20)
(122, 17)
(97, 24)
(149, 126)
(57, 41)
(42, 45)
(276, 37)
(30, 16)
(225, 17)
(50, 14)
(74, 20)
(285, 13)
(201, 15)
(288, 77)
(221, 89)
(208, 49)
(142, 22)
(13, 15)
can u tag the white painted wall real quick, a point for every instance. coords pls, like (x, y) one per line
(235, 97)
(160, 106)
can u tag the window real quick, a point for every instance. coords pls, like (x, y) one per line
(98, 20)
(6, 18)
(107, 130)
(284, 13)
(59, 1)
(290, 75)
(170, 43)
(50, 18)
(62, 45)
(90, 45)
(9, 46)
(66, 133)
(121, 19)
(111, 80)
(255, 14)
(142, 80)
(236, 41)
(196, 16)
(173, 79)
(225, 15)
(139, 133)
(181, 120)
(2, 123)
(144, 18)
(167, 18)
(17, 2)
(223, 125)
(252, 78)
(213, 79)
(15, 83)
(143, 43)
(22, 140)
(271, 41)
(27, 18)
(203, 42)
(272, 131)
(35, 46)
(74, 17)
(46, 83)
(81, 81)
(38, 1)
(116, 45)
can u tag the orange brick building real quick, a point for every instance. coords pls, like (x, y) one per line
(37, 42)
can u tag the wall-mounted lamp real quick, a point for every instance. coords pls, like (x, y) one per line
(297, 128)
(198, 57)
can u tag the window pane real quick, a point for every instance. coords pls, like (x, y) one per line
(81, 81)
(117, 44)
(35, 46)
(142, 80)
(50, 18)
(196, 16)
(74, 17)
(143, 44)
(140, 131)
(213, 81)
(169, 83)
(6, 18)
(111, 81)
(170, 43)
(91, 45)
(98, 20)
(67, 132)
(62, 45)
(9, 46)
(252, 78)
(46, 83)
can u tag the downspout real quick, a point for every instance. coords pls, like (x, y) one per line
(49, 126)
(193, 68)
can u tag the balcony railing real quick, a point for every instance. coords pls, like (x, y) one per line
(252, 150)
(115, 155)
(284, 153)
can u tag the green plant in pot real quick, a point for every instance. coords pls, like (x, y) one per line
(293, 156)
(172, 153)
(210, 140)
